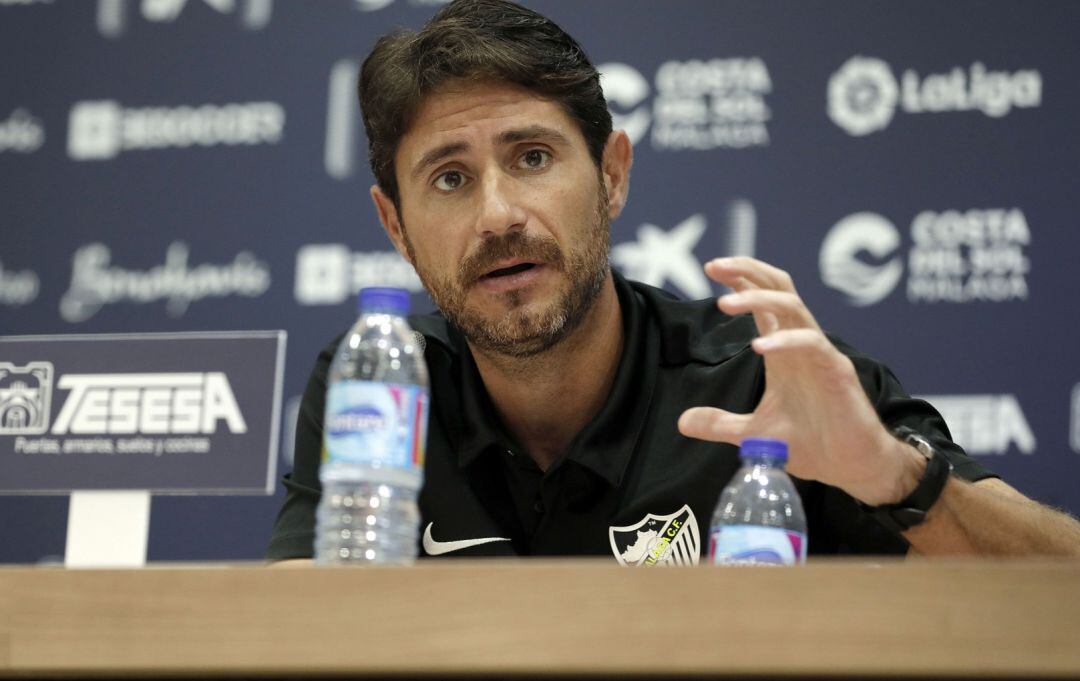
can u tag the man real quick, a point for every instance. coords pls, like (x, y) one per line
(572, 408)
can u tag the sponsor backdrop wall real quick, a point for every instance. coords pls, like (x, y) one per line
(200, 166)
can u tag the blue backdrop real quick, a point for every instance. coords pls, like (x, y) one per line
(199, 165)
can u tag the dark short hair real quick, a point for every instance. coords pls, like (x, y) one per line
(475, 40)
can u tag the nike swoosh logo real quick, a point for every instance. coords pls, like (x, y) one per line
(437, 548)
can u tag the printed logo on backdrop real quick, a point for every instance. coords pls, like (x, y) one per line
(13, 3)
(95, 282)
(376, 5)
(697, 104)
(101, 130)
(21, 132)
(82, 419)
(985, 424)
(661, 256)
(1074, 421)
(328, 274)
(114, 17)
(864, 94)
(955, 257)
(18, 287)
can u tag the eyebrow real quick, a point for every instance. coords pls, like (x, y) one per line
(437, 154)
(531, 132)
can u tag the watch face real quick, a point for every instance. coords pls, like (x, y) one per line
(920, 443)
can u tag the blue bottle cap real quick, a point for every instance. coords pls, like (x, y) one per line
(762, 447)
(384, 299)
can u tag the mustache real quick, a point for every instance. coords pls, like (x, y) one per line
(518, 245)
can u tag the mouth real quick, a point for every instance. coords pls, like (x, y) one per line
(511, 275)
(509, 270)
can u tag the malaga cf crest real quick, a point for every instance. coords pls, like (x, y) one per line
(658, 540)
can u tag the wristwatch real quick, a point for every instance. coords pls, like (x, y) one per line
(912, 510)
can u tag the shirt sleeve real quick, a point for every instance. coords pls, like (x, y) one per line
(896, 408)
(841, 525)
(294, 530)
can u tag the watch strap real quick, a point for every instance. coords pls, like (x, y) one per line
(912, 510)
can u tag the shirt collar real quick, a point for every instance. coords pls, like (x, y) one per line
(607, 443)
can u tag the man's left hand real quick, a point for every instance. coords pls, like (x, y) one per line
(813, 399)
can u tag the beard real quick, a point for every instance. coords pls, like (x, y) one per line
(525, 329)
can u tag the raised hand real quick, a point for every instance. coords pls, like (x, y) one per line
(813, 398)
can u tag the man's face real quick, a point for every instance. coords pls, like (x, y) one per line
(503, 214)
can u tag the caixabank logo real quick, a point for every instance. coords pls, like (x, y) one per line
(668, 257)
(955, 256)
(116, 17)
(864, 94)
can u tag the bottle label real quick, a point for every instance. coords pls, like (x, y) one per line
(756, 545)
(382, 424)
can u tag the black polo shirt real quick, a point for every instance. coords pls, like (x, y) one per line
(629, 477)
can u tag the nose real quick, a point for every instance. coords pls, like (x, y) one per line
(501, 210)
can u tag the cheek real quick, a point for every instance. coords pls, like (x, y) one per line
(576, 206)
(438, 243)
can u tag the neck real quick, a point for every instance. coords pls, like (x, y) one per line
(546, 400)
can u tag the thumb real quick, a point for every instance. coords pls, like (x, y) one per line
(715, 425)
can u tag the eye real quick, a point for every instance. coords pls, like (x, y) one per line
(449, 181)
(534, 159)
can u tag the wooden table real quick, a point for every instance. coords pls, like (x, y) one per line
(547, 618)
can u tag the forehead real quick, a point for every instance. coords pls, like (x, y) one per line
(479, 110)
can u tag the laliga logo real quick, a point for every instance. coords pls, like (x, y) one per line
(625, 86)
(862, 95)
(841, 268)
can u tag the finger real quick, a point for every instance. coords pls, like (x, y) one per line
(714, 425)
(762, 274)
(765, 322)
(809, 342)
(742, 284)
(788, 307)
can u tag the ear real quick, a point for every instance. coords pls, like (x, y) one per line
(391, 221)
(618, 157)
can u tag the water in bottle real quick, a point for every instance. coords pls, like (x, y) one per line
(759, 519)
(374, 434)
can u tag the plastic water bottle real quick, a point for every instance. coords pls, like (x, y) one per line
(374, 434)
(760, 518)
